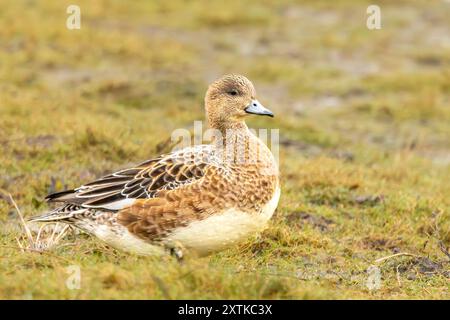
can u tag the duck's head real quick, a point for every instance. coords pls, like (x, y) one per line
(230, 99)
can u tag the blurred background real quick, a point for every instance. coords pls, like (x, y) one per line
(364, 119)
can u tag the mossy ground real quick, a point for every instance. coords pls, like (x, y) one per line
(364, 119)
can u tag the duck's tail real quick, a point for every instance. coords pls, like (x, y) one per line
(64, 214)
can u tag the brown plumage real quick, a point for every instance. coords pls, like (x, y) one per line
(204, 198)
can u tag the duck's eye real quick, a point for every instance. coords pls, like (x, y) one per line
(233, 92)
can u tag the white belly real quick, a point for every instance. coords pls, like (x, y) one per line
(223, 230)
(125, 241)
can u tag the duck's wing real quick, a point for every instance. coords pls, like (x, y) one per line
(144, 181)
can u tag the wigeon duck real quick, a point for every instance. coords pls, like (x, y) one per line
(203, 198)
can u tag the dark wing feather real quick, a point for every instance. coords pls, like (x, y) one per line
(141, 182)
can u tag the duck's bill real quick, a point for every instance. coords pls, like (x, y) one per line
(257, 108)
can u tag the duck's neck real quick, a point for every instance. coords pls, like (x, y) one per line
(227, 132)
(223, 126)
(237, 145)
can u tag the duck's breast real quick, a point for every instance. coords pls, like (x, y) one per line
(224, 229)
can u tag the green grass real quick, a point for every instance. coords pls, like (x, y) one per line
(364, 124)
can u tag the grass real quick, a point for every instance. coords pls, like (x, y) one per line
(364, 125)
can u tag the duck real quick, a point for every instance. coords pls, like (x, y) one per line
(198, 199)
